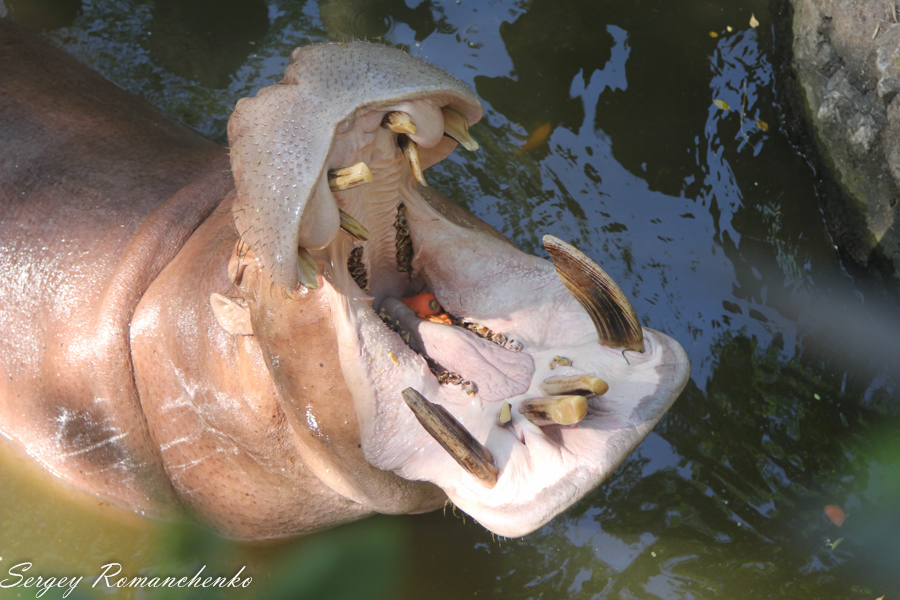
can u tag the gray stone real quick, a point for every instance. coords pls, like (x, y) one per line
(846, 56)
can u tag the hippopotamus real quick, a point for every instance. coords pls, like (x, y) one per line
(297, 331)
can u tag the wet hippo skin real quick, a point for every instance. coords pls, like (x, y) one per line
(152, 356)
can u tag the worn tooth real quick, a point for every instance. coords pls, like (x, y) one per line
(411, 152)
(399, 122)
(469, 387)
(472, 455)
(554, 410)
(606, 304)
(505, 415)
(560, 361)
(349, 177)
(514, 345)
(456, 126)
(308, 268)
(574, 384)
(353, 227)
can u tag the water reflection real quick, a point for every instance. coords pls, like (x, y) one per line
(600, 128)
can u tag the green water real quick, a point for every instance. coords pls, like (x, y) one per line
(709, 221)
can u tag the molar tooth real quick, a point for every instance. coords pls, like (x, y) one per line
(472, 455)
(574, 384)
(353, 227)
(349, 177)
(411, 152)
(612, 314)
(456, 126)
(399, 122)
(308, 268)
(554, 410)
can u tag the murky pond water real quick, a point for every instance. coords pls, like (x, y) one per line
(650, 134)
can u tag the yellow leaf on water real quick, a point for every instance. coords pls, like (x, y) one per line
(753, 22)
(713, 34)
(762, 125)
(721, 104)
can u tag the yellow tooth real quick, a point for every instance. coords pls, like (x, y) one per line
(504, 417)
(411, 152)
(457, 127)
(400, 122)
(554, 410)
(472, 455)
(353, 227)
(349, 177)
(307, 268)
(574, 384)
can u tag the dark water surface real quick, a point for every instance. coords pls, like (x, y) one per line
(600, 128)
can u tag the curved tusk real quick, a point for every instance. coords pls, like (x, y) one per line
(456, 126)
(411, 152)
(606, 304)
(472, 455)
(308, 268)
(354, 228)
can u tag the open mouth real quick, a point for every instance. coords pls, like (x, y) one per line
(514, 384)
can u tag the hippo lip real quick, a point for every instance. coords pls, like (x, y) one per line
(479, 278)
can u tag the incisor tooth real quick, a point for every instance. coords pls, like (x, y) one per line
(353, 227)
(574, 384)
(456, 126)
(554, 410)
(400, 122)
(308, 268)
(612, 314)
(471, 454)
(350, 177)
(411, 152)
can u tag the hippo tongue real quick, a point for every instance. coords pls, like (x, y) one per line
(497, 372)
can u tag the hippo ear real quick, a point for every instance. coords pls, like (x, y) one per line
(232, 314)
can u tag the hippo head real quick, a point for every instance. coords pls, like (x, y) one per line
(513, 384)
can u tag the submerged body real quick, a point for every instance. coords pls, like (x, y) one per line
(154, 357)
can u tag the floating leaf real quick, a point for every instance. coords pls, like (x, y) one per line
(836, 514)
(835, 543)
(753, 22)
(762, 125)
(721, 104)
(713, 34)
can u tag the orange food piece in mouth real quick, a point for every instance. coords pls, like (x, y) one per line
(424, 305)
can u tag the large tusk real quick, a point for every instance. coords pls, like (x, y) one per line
(471, 454)
(456, 126)
(411, 152)
(606, 304)
(354, 228)
(574, 384)
(350, 177)
(308, 268)
(399, 122)
(554, 410)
